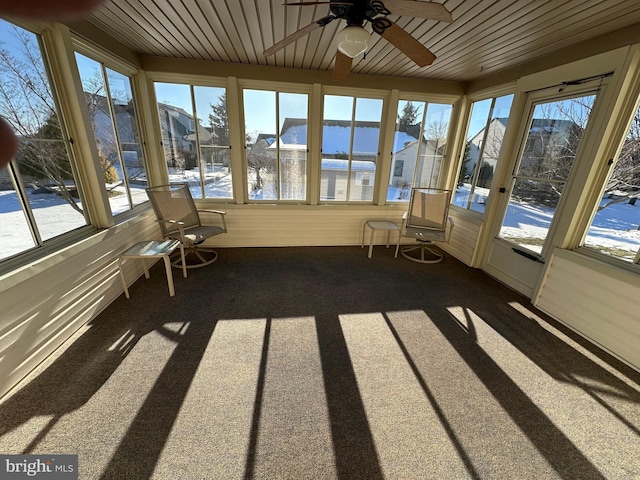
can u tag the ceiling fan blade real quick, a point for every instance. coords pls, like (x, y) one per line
(415, 8)
(296, 35)
(408, 45)
(342, 66)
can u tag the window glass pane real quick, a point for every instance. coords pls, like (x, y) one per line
(175, 109)
(615, 228)
(419, 147)
(336, 147)
(406, 144)
(364, 151)
(213, 137)
(111, 114)
(42, 175)
(485, 134)
(261, 129)
(132, 159)
(350, 139)
(476, 130)
(14, 225)
(276, 131)
(293, 145)
(555, 132)
(433, 148)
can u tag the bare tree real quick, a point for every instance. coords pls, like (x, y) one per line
(624, 183)
(261, 162)
(27, 103)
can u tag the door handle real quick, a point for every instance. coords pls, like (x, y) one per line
(528, 255)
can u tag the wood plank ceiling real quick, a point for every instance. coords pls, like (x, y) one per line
(485, 37)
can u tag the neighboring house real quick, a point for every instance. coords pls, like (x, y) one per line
(547, 139)
(417, 163)
(177, 125)
(408, 152)
(100, 115)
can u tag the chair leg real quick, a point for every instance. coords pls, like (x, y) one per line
(182, 261)
(422, 248)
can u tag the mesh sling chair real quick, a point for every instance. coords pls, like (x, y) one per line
(427, 221)
(179, 219)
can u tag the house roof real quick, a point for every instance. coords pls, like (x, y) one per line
(336, 136)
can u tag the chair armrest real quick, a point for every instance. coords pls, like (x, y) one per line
(220, 212)
(180, 228)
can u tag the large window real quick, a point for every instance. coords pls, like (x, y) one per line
(276, 134)
(350, 142)
(419, 147)
(548, 152)
(615, 228)
(195, 138)
(39, 195)
(485, 133)
(112, 113)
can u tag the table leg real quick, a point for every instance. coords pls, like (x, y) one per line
(145, 268)
(124, 281)
(167, 267)
(371, 242)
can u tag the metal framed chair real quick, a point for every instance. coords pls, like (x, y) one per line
(179, 219)
(428, 222)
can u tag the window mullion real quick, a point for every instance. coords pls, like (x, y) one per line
(16, 179)
(278, 179)
(116, 133)
(350, 156)
(196, 129)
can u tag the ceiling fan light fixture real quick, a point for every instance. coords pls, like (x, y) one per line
(353, 40)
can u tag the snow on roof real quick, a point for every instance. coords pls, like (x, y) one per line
(336, 137)
(356, 165)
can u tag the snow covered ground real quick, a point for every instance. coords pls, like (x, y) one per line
(614, 228)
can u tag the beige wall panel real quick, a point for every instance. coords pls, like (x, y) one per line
(598, 300)
(304, 225)
(464, 236)
(56, 296)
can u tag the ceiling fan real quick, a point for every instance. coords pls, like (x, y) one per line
(354, 39)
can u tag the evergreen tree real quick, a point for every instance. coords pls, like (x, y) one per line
(408, 117)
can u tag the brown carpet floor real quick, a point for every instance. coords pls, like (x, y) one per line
(319, 363)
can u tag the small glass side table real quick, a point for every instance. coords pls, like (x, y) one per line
(374, 225)
(149, 250)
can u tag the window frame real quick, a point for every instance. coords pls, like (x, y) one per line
(192, 82)
(277, 88)
(603, 177)
(463, 126)
(109, 61)
(454, 102)
(381, 159)
(46, 39)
